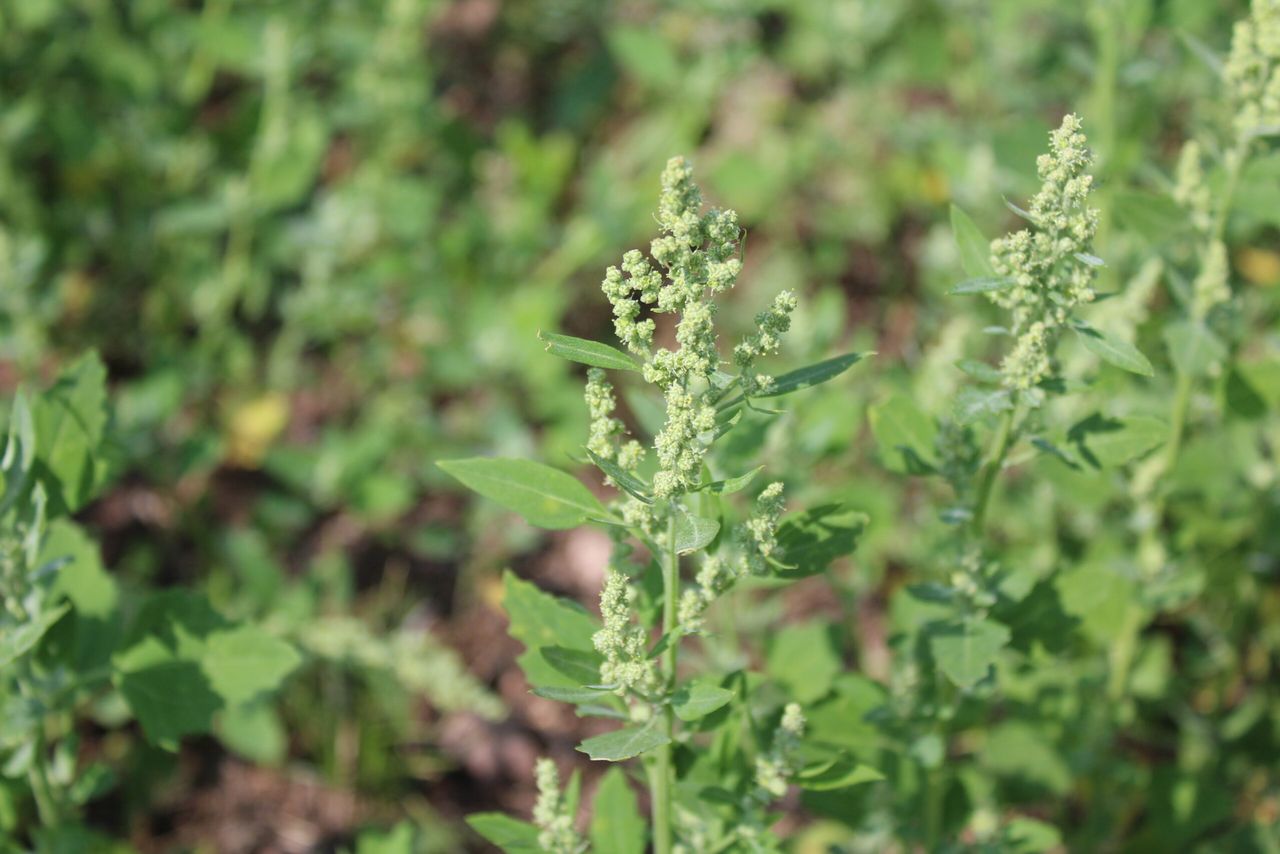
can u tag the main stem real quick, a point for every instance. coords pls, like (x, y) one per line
(662, 777)
(991, 468)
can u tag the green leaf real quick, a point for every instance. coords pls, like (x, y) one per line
(587, 352)
(627, 742)
(69, 420)
(984, 285)
(980, 371)
(1194, 349)
(546, 497)
(572, 695)
(975, 403)
(1154, 216)
(804, 660)
(813, 375)
(699, 699)
(1106, 442)
(255, 731)
(245, 662)
(904, 434)
(975, 249)
(730, 485)
(616, 823)
(694, 532)
(17, 641)
(624, 479)
(580, 665)
(965, 649)
(1113, 350)
(841, 773)
(811, 540)
(539, 620)
(509, 834)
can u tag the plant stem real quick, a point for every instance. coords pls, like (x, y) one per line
(662, 777)
(47, 804)
(995, 461)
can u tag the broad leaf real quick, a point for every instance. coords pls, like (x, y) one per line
(1119, 353)
(627, 742)
(616, 823)
(587, 352)
(699, 699)
(805, 660)
(1102, 441)
(580, 665)
(546, 497)
(904, 434)
(539, 620)
(966, 649)
(694, 532)
(16, 641)
(811, 540)
(69, 420)
(246, 662)
(509, 834)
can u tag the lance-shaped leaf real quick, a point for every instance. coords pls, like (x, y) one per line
(730, 485)
(625, 480)
(546, 497)
(511, 835)
(587, 352)
(975, 249)
(841, 772)
(1119, 353)
(812, 375)
(983, 285)
(626, 742)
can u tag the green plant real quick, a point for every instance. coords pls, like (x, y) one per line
(73, 643)
(718, 747)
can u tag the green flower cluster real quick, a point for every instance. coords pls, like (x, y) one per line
(1049, 271)
(604, 427)
(551, 813)
(1252, 69)
(776, 767)
(621, 641)
(696, 254)
(765, 341)
(756, 543)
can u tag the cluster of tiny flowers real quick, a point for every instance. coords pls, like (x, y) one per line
(1047, 270)
(696, 253)
(957, 453)
(1252, 69)
(776, 767)
(1190, 189)
(761, 530)
(1211, 286)
(765, 341)
(550, 814)
(756, 542)
(622, 642)
(600, 404)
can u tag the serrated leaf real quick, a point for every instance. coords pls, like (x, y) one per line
(509, 834)
(246, 662)
(813, 375)
(540, 620)
(1119, 353)
(544, 496)
(1193, 348)
(699, 699)
(811, 540)
(624, 479)
(626, 742)
(966, 649)
(616, 823)
(975, 249)
(586, 352)
(694, 532)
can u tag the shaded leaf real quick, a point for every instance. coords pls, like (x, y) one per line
(811, 540)
(699, 699)
(966, 649)
(813, 375)
(1119, 353)
(546, 497)
(626, 742)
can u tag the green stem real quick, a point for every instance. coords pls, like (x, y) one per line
(48, 806)
(991, 468)
(662, 776)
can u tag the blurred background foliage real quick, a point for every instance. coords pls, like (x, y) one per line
(314, 243)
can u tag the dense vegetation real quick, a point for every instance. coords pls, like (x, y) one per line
(925, 494)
